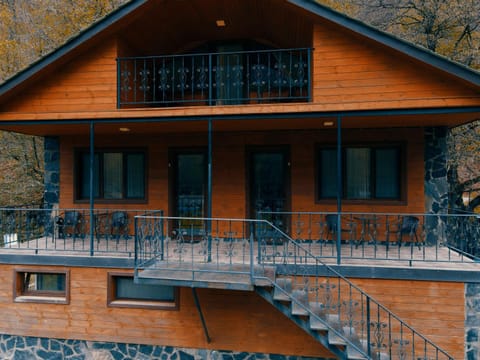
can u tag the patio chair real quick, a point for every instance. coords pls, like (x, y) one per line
(70, 224)
(119, 224)
(347, 226)
(405, 225)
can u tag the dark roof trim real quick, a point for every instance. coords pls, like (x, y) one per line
(70, 45)
(422, 54)
(260, 116)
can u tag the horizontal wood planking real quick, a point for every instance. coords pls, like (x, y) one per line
(345, 66)
(229, 167)
(238, 321)
(88, 81)
(435, 309)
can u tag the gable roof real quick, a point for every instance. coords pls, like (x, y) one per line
(311, 6)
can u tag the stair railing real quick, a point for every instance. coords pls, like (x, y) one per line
(335, 300)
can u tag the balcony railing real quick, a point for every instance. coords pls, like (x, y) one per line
(383, 236)
(215, 78)
(110, 232)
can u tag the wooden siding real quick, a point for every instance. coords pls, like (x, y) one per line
(435, 309)
(351, 70)
(240, 321)
(88, 82)
(229, 173)
(349, 73)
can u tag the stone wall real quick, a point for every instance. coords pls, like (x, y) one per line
(28, 348)
(52, 172)
(472, 321)
(436, 182)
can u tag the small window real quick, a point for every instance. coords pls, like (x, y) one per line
(123, 292)
(42, 286)
(118, 175)
(369, 173)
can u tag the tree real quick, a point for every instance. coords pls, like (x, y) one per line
(464, 166)
(448, 27)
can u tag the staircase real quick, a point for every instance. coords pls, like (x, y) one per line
(326, 305)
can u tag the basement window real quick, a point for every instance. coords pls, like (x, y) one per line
(41, 286)
(124, 292)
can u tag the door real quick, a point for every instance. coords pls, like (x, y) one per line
(189, 175)
(269, 185)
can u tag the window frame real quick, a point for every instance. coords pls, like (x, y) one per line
(113, 301)
(402, 176)
(101, 199)
(20, 294)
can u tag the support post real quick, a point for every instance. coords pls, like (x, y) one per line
(209, 191)
(202, 319)
(91, 180)
(339, 189)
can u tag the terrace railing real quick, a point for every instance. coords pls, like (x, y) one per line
(384, 236)
(206, 247)
(215, 78)
(109, 233)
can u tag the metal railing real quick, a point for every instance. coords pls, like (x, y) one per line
(111, 233)
(384, 236)
(215, 78)
(236, 246)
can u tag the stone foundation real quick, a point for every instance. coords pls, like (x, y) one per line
(472, 321)
(28, 348)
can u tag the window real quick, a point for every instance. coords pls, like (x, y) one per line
(118, 175)
(41, 286)
(123, 292)
(369, 173)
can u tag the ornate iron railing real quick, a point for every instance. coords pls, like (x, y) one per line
(384, 236)
(235, 246)
(69, 230)
(215, 78)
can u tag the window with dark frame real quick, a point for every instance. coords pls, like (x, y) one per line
(41, 286)
(371, 172)
(118, 175)
(124, 292)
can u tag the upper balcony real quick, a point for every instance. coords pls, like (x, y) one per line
(220, 78)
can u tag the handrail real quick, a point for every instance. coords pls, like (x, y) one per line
(370, 299)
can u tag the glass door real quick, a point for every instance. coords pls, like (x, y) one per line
(189, 190)
(269, 186)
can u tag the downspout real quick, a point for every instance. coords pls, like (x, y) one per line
(91, 194)
(339, 189)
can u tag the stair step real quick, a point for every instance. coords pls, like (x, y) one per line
(317, 309)
(285, 284)
(353, 354)
(334, 339)
(302, 297)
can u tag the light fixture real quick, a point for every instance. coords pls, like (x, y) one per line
(124, 129)
(328, 123)
(220, 23)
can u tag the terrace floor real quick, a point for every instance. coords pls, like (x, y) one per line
(229, 252)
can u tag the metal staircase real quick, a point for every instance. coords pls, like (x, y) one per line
(254, 254)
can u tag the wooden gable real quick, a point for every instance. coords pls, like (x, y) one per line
(350, 71)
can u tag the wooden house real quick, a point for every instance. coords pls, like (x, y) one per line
(240, 179)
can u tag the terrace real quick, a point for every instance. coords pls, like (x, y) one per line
(373, 239)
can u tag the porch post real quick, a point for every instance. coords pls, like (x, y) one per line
(339, 189)
(209, 190)
(91, 194)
